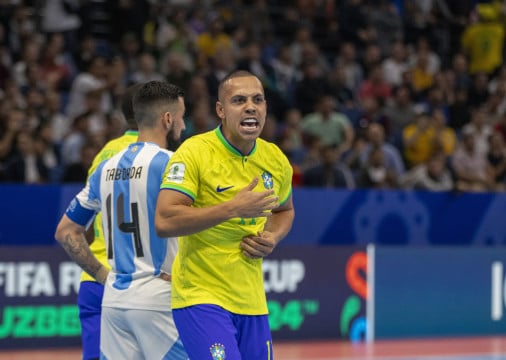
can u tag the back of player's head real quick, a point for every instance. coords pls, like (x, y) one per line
(127, 107)
(153, 99)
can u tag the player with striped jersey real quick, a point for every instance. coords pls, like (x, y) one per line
(136, 318)
(228, 196)
(89, 298)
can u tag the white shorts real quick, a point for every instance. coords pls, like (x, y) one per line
(129, 334)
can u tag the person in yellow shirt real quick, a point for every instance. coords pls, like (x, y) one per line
(427, 135)
(227, 195)
(210, 42)
(483, 41)
(89, 298)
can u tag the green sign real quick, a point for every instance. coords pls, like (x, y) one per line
(40, 321)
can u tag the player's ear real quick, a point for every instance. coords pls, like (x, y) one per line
(219, 110)
(167, 120)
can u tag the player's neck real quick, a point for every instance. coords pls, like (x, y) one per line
(153, 136)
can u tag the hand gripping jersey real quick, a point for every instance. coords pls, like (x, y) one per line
(125, 189)
(110, 149)
(210, 267)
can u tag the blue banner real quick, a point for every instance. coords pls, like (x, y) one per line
(328, 217)
(438, 291)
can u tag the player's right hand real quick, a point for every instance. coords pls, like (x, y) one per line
(249, 203)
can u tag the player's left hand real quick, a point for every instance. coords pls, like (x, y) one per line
(259, 246)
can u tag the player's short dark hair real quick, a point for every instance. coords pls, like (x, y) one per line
(152, 96)
(127, 107)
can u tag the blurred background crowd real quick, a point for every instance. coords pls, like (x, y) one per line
(401, 94)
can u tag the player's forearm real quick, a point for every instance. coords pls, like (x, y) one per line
(182, 220)
(280, 223)
(76, 246)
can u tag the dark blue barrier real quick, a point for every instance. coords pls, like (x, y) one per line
(30, 214)
(438, 291)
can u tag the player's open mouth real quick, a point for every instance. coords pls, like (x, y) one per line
(249, 123)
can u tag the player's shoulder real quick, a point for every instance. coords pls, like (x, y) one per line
(269, 147)
(199, 142)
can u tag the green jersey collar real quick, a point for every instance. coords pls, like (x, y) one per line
(229, 146)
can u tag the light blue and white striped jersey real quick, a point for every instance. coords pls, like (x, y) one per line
(125, 189)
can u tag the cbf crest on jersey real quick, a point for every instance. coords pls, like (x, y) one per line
(267, 179)
(218, 351)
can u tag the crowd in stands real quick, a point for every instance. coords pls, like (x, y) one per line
(400, 94)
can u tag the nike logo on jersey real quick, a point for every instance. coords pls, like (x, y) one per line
(221, 189)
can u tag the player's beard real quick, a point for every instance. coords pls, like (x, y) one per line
(172, 144)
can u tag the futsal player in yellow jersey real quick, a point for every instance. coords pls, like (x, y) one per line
(227, 194)
(89, 299)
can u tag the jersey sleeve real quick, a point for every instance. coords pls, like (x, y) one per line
(182, 171)
(286, 183)
(86, 204)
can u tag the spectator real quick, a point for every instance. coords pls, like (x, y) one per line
(483, 41)
(400, 112)
(75, 140)
(291, 138)
(445, 138)
(59, 16)
(330, 126)
(146, 70)
(459, 67)
(459, 111)
(383, 17)
(417, 139)
(48, 151)
(471, 168)
(26, 165)
(395, 64)
(311, 86)
(424, 49)
(480, 129)
(201, 119)
(330, 173)
(30, 54)
(500, 126)
(211, 43)
(391, 155)
(478, 91)
(371, 113)
(57, 120)
(375, 85)
(347, 59)
(78, 172)
(301, 36)
(422, 77)
(496, 158)
(338, 88)
(433, 175)
(285, 74)
(10, 126)
(94, 78)
(176, 71)
(375, 173)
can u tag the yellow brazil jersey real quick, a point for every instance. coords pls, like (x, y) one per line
(210, 267)
(109, 150)
(484, 43)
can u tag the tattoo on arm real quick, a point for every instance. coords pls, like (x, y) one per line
(78, 250)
